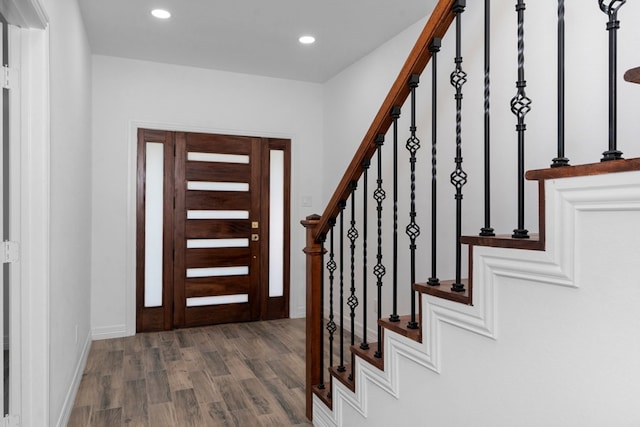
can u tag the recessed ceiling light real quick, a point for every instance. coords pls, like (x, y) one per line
(161, 13)
(307, 39)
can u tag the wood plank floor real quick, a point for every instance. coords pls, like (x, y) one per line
(246, 374)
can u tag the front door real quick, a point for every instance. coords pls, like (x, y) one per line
(217, 229)
(203, 227)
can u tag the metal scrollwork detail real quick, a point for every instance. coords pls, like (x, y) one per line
(458, 178)
(611, 7)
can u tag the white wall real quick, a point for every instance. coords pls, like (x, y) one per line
(127, 94)
(70, 193)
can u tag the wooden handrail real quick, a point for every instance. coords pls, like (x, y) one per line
(436, 26)
(633, 75)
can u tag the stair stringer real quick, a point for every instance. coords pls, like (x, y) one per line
(566, 199)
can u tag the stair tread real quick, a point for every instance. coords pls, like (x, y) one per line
(444, 291)
(622, 165)
(505, 241)
(633, 75)
(369, 355)
(344, 377)
(401, 328)
(324, 394)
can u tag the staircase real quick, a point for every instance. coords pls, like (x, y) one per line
(534, 328)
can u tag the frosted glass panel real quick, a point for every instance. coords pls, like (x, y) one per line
(153, 215)
(223, 299)
(217, 271)
(217, 243)
(276, 223)
(215, 157)
(217, 186)
(217, 214)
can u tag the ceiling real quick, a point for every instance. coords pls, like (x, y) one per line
(250, 36)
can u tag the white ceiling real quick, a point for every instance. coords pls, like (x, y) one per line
(250, 36)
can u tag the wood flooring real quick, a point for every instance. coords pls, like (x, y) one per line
(245, 374)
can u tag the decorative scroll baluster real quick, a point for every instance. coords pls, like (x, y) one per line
(395, 115)
(458, 176)
(323, 238)
(520, 106)
(364, 345)
(352, 234)
(331, 266)
(434, 48)
(341, 367)
(561, 160)
(379, 270)
(487, 230)
(413, 230)
(611, 8)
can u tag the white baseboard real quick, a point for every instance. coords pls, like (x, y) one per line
(106, 332)
(70, 399)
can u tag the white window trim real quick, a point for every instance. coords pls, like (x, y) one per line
(35, 227)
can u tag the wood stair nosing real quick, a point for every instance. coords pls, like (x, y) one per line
(633, 75)
(324, 394)
(369, 355)
(346, 377)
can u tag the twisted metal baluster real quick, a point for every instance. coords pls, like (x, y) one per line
(611, 8)
(364, 345)
(323, 238)
(458, 176)
(352, 234)
(487, 230)
(561, 160)
(379, 270)
(413, 230)
(341, 206)
(331, 266)
(434, 48)
(520, 106)
(395, 115)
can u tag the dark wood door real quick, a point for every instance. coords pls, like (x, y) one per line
(217, 229)
(206, 252)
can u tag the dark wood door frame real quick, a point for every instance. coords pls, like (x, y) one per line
(154, 318)
(276, 307)
(164, 317)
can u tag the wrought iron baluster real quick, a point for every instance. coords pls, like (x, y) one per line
(364, 345)
(434, 48)
(323, 238)
(413, 230)
(342, 205)
(520, 106)
(379, 270)
(331, 266)
(458, 176)
(561, 160)
(611, 8)
(395, 115)
(352, 234)
(487, 230)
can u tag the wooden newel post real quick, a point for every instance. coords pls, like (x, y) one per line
(313, 250)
